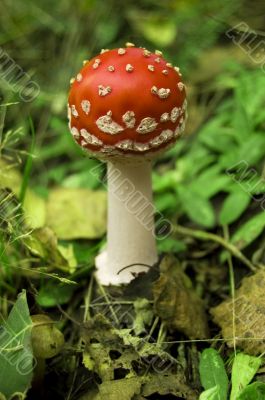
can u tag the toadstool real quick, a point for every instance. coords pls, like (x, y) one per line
(47, 341)
(125, 107)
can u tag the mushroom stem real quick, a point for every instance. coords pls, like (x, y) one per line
(131, 233)
(39, 373)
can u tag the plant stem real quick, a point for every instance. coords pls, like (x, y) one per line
(202, 235)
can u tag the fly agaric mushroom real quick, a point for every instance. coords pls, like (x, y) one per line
(125, 106)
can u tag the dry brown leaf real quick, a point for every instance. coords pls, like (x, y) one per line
(122, 389)
(168, 385)
(176, 302)
(77, 213)
(249, 312)
(34, 206)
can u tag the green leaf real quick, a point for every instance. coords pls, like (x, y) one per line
(67, 251)
(81, 180)
(254, 184)
(85, 253)
(252, 150)
(166, 202)
(243, 371)
(196, 160)
(241, 122)
(155, 28)
(251, 94)
(234, 205)
(166, 181)
(52, 294)
(209, 184)
(211, 394)
(198, 208)
(248, 232)
(16, 358)
(171, 245)
(213, 373)
(214, 136)
(255, 391)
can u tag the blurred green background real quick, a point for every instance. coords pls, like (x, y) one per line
(50, 40)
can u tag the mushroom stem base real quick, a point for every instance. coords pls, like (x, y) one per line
(131, 244)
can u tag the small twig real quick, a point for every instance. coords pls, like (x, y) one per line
(103, 292)
(152, 329)
(226, 339)
(232, 288)
(88, 300)
(68, 317)
(133, 265)
(103, 303)
(202, 235)
(161, 334)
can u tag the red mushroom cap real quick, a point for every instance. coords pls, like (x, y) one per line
(127, 101)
